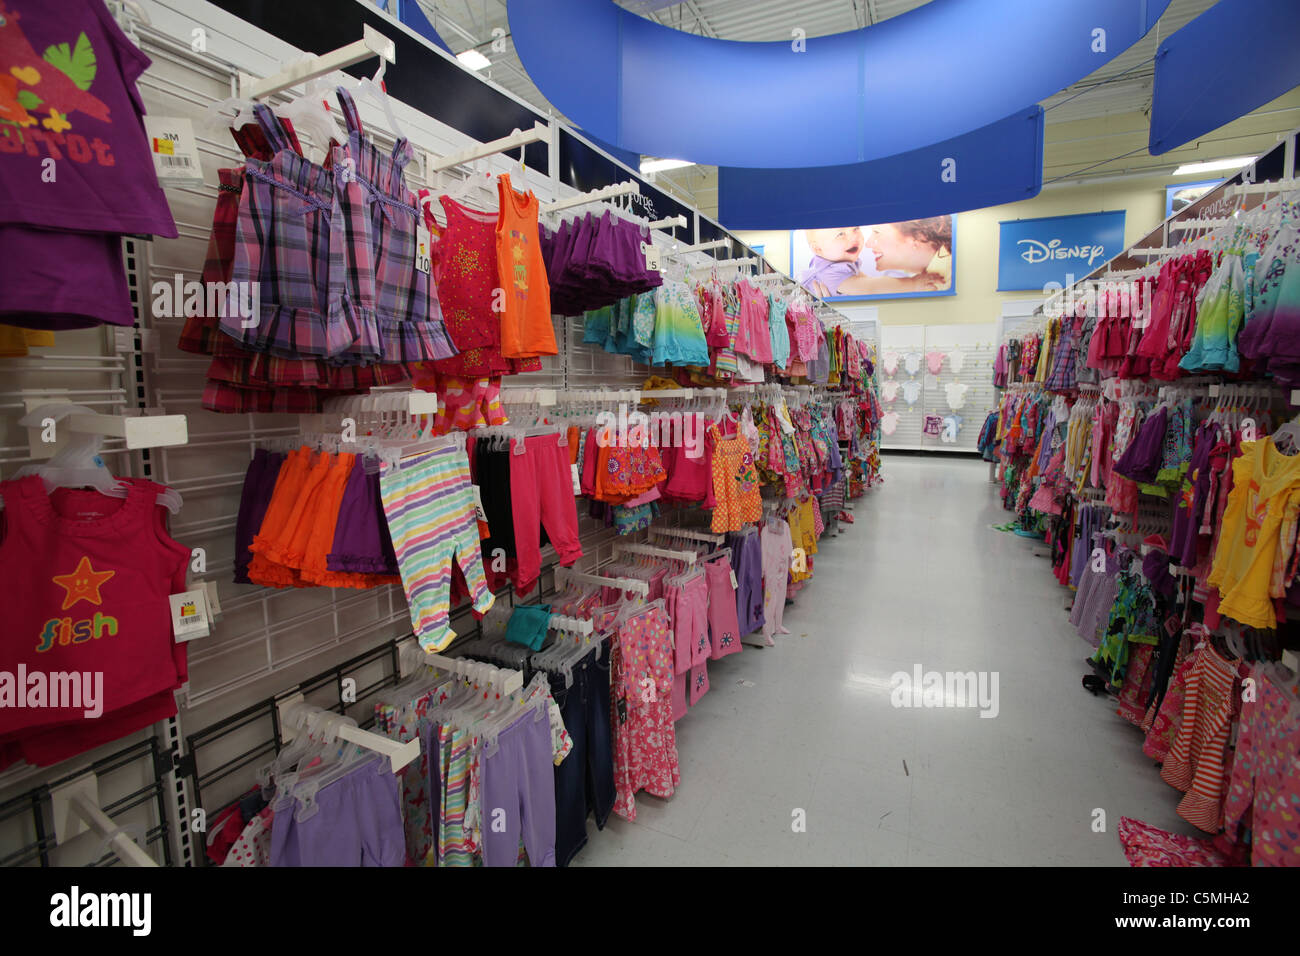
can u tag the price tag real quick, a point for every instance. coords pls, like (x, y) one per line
(735, 585)
(423, 249)
(478, 504)
(577, 479)
(652, 261)
(175, 154)
(190, 617)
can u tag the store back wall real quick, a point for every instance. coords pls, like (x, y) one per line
(977, 298)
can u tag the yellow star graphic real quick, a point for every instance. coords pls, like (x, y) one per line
(83, 584)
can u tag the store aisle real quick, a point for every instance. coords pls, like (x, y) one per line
(921, 578)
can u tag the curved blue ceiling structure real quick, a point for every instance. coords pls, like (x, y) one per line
(1233, 58)
(915, 80)
(995, 164)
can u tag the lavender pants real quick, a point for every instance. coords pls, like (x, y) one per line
(358, 822)
(518, 794)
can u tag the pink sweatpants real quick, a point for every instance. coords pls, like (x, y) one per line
(541, 492)
(688, 605)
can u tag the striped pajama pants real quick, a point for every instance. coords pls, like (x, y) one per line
(429, 504)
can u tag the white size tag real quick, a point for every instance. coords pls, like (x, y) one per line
(652, 261)
(735, 585)
(190, 615)
(577, 479)
(423, 249)
(478, 504)
(175, 154)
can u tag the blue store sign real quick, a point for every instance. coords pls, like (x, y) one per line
(1035, 252)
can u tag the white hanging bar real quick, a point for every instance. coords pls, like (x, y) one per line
(540, 133)
(76, 810)
(701, 247)
(668, 223)
(687, 393)
(570, 625)
(399, 754)
(621, 547)
(688, 533)
(413, 401)
(1192, 224)
(726, 264)
(631, 396)
(138, 431)
(372, 43)
(1281, 185)
(566, 576)
(596, 195)
(507, 680)
(529, 396)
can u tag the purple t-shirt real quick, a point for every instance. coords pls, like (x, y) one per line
(828, 273)
(67, 88)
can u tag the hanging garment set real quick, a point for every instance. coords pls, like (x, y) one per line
(1167, 495)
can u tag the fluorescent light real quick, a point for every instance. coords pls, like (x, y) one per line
(473, 59)
(1236, 162)
(659, 165)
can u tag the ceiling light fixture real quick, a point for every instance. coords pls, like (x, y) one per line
(1214, 165)
(659, 165)
(474, 59)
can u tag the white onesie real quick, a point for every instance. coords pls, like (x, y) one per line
(912, 362)
(955, 361)
(911, 392)
(889, 422)
(889, 391)
(956, 394)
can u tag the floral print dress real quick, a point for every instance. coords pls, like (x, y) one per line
(641, 710)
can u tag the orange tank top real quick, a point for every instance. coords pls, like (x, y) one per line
(526, 330)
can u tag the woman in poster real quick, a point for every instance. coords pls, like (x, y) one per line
(913, 256)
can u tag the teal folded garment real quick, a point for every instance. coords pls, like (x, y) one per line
(528, 625)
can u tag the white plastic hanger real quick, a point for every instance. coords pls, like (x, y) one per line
(371, 88)
(77, 464)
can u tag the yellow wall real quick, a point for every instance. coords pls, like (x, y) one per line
(977, 298)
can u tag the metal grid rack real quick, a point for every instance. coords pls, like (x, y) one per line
(264, 639)
(27, 818)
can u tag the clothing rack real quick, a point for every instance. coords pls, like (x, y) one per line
(529, 396)
(77, 809)
(700, 247)
(540, 133)
(570, 625)
(566, 576)
(138, 431)
(295, 713)
(621, 547)
(372, 43)
(687, 533)
(596, 195)
(670, 223)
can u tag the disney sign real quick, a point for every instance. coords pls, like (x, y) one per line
(1033, 253)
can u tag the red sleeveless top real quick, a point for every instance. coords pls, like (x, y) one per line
(87, 579)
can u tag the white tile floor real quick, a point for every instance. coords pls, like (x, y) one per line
(920, 578)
